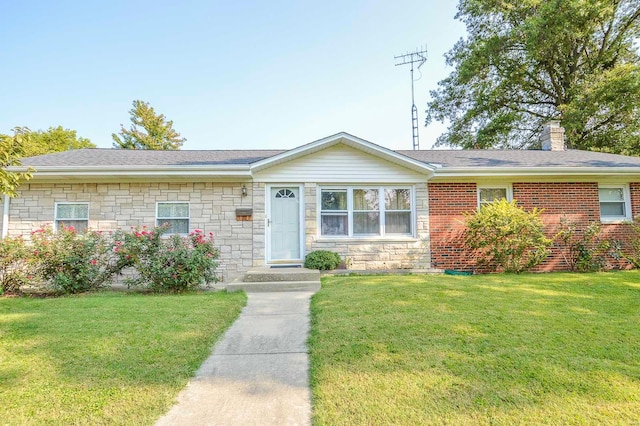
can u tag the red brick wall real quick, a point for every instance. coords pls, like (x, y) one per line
(577, 202)
(621, 232)
(447, 202)
(635, 198)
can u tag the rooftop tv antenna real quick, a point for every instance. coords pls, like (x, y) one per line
(418, 57)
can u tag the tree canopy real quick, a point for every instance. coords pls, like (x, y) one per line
(54, 139)
(11, 150)
(148, 131)
(40, 142)
(529, 61)
(26, 143)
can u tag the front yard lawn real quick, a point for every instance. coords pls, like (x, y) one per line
(107, 358)
(492, 349)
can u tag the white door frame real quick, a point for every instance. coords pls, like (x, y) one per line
(267, 221)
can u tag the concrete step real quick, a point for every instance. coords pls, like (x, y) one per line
(267, 274)
(273, 286)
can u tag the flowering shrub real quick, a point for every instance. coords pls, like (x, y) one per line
(72, 262)
(13, 273)
(176, 263)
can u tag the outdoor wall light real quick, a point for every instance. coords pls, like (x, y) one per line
(244, 190)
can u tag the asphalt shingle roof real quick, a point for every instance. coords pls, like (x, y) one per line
(98, 157)
(120, 157)
(521, 158)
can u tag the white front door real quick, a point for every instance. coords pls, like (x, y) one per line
(284, 224)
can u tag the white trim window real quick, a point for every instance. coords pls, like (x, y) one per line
(397, 211)
(489, 194)
(175, 214)
(366, 211)
(334, 212)
(74, 215)
(615, 203)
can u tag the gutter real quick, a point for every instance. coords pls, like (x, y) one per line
(246, 171)
(135, 169)
(109, 172)
(5, 216)
(535, 171)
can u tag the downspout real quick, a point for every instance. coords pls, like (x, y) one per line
(5, 217)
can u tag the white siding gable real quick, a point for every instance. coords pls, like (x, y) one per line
(339, 164)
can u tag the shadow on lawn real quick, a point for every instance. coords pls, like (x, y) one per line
(487, 341)
(123, 340)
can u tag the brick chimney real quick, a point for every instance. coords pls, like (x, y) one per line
(552, 137)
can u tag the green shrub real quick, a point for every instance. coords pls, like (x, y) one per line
(631, 250)
(323, 260)
(72, 262)
(173, 264)
(505, 237)
(13, 264)
(584, 250)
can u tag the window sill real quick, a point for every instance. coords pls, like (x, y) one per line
(377, 239)
(614, 221)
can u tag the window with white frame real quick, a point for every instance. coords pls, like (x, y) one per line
(175, 214)
(366, 211)
(614, 202)
(334, 216)
(74, 215)
(397, 208)
(489, 194)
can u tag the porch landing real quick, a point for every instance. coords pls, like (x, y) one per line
(266, 279)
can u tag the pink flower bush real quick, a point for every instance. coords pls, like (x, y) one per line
(72, 262)
(13, 264)
(174, 263)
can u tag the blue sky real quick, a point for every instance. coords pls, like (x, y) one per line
(231, 75)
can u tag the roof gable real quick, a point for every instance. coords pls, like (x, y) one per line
(338, 163)
(350, 141)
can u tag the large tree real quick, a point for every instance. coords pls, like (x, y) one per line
(525, 62)
(26, 143)
(148, 130)
(54, 139)
(11, 150)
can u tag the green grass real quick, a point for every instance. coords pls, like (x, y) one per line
(496, 349)
(107, 358)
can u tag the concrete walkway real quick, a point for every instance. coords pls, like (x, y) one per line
(258, 373)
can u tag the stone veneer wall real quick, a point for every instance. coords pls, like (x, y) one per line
(576, 201)
(125, 205)
(259, 217)
(382, 253)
